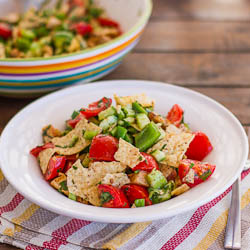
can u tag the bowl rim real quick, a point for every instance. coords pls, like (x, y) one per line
(142, 20)
(114, 218)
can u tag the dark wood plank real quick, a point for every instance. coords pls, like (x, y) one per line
(9, 107)
(195, 36)
(8, 247)
(187, 69)
(220, 10)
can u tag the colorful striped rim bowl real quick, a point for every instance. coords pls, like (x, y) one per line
(202, 113)
(30, 77)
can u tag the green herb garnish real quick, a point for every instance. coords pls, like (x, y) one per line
(106, 197)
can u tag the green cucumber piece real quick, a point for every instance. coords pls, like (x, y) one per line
(140, 202)
(120, 132)
(142, 120)
(90, 134)
(107, 112)
(108, 122)
(158, 155)
(129, 112)
(156, 179)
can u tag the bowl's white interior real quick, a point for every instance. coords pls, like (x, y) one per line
(24, 132)
(126, 12)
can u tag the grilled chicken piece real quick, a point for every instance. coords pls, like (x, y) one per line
(139, 178)
(169, 172)
(157, 119)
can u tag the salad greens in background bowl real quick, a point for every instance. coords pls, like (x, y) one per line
(23, 133)
(57, 46)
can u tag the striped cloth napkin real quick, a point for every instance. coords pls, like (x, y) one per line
(27, 226)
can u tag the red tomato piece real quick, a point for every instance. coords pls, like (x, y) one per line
(82, 28)
(175, 115)
(108, 22)
(70, 160)
(103, 148)
(56, 165)
(96, 107)
(73, 3)
(68, 165)
(148, 165)
(202, 172)
(35, 151)
(5, 31)
(199, 147)
(112, 197)
(72, 122)
(134, 192)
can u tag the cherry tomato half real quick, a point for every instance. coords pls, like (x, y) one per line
(96, 107)
(35, 151)
(108, 22)
(148, 165)
(103, 148)
(5, 31)
(56, 165)
(112, 197)
(82, 28)
(134, 192)
(175, 115)
(199, 147)
(201, 172)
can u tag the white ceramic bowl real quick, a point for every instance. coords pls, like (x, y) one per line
(202, 113)
(34, 76)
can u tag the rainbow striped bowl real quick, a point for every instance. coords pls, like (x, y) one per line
(32, 77)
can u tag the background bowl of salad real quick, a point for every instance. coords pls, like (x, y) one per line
(57, 43)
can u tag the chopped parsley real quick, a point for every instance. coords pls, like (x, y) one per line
(63, 186)
(205, 175)
(46, 130)
(106, 197)
(140, 158)
(191, 165)
(74, 167)
(74, 114)
(72, 143)
(95, 12)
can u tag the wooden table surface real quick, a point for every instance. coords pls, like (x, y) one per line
(201, 45)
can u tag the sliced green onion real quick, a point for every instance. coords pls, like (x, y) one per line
(140, 202)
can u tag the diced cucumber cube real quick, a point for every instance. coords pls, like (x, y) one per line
(107, 112)
(156, 179)
(109, 121)
(158, 155)
(142, 120)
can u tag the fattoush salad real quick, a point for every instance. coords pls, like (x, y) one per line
(125, 155)
(66, 27)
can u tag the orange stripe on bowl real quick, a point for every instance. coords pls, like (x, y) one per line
(64, 65)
